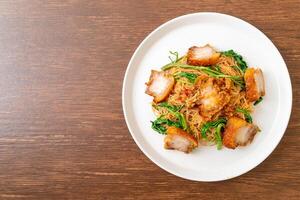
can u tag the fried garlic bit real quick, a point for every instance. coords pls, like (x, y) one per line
(255, 85)
(238, 132)
(205, 55)
(179, 140)
(159, 85)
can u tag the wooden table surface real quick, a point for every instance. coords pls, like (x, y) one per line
(62, 130)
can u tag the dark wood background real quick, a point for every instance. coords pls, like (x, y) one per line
(62, 130)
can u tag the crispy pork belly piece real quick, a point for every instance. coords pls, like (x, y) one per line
(255, 85)
(179, 140)
(159, 85)
(205, 55)
(212, 99)
(238, 132)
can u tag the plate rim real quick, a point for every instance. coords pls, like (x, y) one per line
(124, 107)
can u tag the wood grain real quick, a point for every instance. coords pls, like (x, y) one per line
(62, 130)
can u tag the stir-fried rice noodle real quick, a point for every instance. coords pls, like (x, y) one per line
(196, 98)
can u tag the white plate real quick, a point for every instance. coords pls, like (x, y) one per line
(223, 32)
